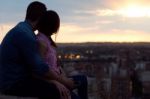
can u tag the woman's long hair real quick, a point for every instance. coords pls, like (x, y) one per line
(49, 24)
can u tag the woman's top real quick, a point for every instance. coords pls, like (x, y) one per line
(50, 56)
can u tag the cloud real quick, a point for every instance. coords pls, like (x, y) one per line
(115, 4)
(134, 24)
(73, 33)
(85, 20)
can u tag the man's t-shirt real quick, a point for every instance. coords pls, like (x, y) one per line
(19, 56)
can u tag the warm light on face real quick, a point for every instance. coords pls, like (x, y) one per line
(135, 11)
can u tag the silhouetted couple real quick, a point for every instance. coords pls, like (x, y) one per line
(28, 62)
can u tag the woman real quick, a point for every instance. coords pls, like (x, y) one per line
(49, 25)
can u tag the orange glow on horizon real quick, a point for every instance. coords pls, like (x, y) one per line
(79, 34)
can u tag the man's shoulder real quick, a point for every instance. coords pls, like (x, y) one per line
(22, 29)
(16, 29)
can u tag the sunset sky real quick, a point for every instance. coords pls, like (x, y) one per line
(88, 20)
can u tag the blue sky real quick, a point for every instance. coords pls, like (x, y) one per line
(88, 20)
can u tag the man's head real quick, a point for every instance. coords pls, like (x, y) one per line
(34, 11)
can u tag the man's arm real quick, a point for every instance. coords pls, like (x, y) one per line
(51, 74)
(69, 83)
(27, 46)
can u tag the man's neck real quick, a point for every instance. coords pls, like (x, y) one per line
(33, 24)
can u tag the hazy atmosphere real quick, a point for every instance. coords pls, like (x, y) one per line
(88, 20)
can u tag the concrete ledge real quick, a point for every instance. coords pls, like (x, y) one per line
(14, 97)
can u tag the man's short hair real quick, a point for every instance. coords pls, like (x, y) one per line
(35, 10)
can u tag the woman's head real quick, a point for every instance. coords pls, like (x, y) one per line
(49, 23)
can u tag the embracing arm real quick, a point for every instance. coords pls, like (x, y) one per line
(63, 80)
(26, 44)
(51, 75)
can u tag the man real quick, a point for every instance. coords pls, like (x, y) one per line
(22, 70)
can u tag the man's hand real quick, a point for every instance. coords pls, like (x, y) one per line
(69, 83)
(64, 92)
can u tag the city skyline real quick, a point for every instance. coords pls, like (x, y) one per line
(88, 20)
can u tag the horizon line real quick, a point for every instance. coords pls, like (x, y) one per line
(108, 42)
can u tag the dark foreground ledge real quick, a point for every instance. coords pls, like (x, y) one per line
(14, 97)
